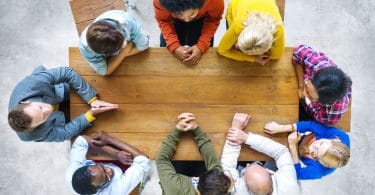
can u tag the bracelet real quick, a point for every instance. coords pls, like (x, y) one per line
(292, 128)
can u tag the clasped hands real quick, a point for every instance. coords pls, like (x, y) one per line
(236, 136)
(103, 139)
(188, 55)
(186, 122)
(99, 106)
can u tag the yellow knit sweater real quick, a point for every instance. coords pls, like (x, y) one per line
(236, 13)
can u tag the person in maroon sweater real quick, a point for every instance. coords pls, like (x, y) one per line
(188, 26)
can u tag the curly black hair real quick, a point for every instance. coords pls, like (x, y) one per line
(179, 6)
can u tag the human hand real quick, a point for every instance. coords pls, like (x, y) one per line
(186, 121)
(301, 92)
(240, 120)
(273, 128)
(195, 55)
(181, 53)
(294, 138)
(236, 136)
(262, 59)
(236, 46)
(99, 106)
(125, 157)
(101, 139)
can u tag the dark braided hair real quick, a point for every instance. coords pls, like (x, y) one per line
(82, 181)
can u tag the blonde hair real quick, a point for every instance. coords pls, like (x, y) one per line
(257, 36)
(336, 156)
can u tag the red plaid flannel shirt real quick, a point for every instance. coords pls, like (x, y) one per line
(312, 61)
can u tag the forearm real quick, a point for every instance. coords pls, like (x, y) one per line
(163, 161)
(115, 61)
(118, 144)
(294, 153)
(289, 128)
(206, 149)
(300, 74)
(208, 30)
(106, 150)
(68, 75)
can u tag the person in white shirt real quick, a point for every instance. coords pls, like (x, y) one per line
(255, 179)
(87, 177)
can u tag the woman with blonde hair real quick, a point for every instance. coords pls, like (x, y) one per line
(321, 148)
(256, 32)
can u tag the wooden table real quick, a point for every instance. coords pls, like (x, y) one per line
(153, 87)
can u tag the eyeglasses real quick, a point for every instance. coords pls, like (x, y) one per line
(229, 174)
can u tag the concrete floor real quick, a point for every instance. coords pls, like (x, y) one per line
(39, 32)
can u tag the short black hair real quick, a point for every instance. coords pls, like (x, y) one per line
(82, 181)
(214, 182)
(179, 6)
(331, 84)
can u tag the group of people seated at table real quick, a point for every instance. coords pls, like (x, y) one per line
(37, 106)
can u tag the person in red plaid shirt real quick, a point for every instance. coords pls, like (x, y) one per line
(325, 88)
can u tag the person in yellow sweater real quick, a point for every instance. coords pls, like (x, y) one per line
(256, 32)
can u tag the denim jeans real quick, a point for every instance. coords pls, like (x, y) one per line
(188, 32)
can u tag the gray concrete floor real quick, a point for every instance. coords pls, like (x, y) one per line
(39, 32)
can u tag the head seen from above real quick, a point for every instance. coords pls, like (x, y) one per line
(331, 84)
(104, 37)
(90, 179)
(330, 153)
(258, 179)
(215, 182)
(257, 36)
(29, 115)
(185, 10)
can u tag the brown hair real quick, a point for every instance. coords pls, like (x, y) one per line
(214, 181)
(336, 156)
(104, 38)
(18, 119)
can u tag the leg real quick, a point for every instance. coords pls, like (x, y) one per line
(180, 28)
(65, 104)
(194, 31)
(271, 165)
(162, 41)
(303, 115)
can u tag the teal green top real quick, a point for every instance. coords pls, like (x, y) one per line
(173, 183)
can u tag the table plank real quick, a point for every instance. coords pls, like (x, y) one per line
(155, 118)
(255, 90)
(160, 62)
(186, 149)
(85, 11)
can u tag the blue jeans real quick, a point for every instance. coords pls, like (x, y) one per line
(188, 32)
(62, 90)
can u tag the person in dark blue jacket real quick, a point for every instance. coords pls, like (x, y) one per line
(322, 148)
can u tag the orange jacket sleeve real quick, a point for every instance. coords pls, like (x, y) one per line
(215, 10)
(165, 22)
